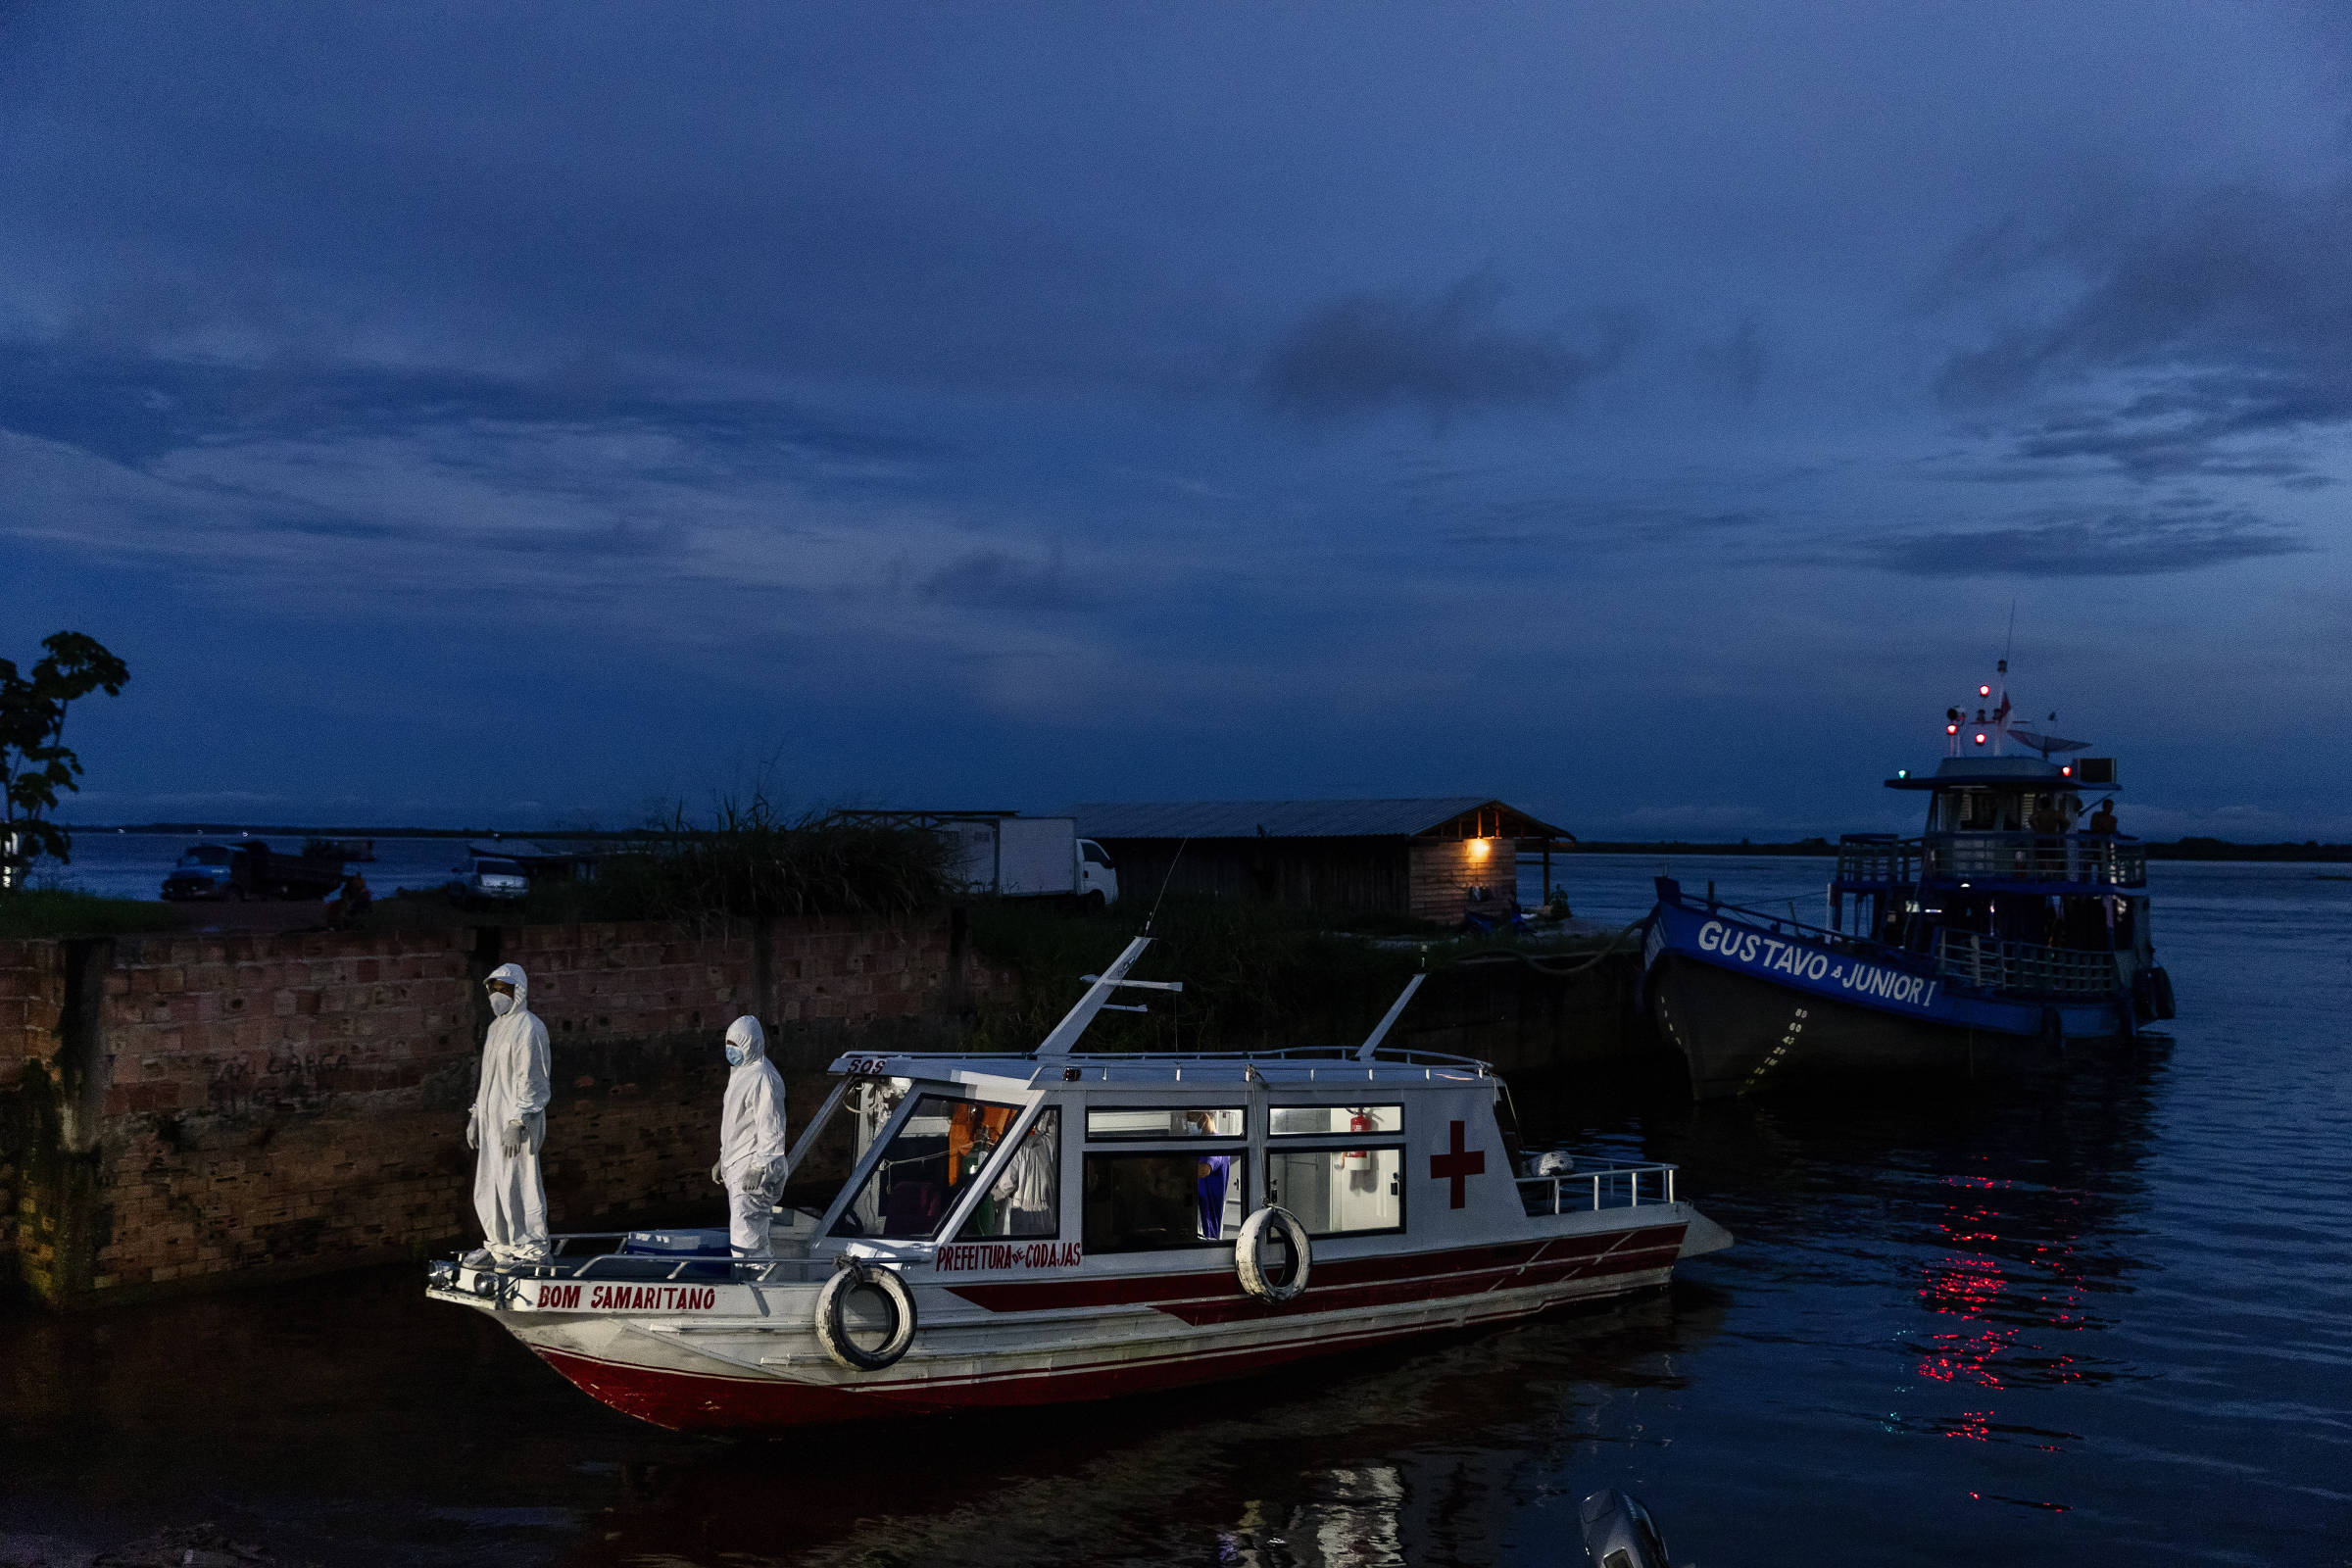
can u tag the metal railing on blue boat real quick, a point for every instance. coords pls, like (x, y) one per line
(1619, 1186)
(1989, 964)
(2095, 859)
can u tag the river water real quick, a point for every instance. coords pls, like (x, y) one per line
(2105, 1320)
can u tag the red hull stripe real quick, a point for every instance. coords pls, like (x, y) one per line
(1417, 1272)
(721, 1401)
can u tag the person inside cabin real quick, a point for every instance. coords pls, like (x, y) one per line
(2102, 820)
(1023, 1198)
(1211, 1175)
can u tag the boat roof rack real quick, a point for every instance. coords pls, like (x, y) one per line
(1294, 1064)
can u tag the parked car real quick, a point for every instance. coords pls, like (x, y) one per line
(250, 869)
(489, 879)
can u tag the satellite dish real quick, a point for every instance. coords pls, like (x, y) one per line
(2045, 744)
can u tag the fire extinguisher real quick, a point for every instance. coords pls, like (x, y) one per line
(1357, 1158)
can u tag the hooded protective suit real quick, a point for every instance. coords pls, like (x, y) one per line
(509, 1124)
(750, 1139)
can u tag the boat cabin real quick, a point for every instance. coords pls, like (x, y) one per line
(983, 1158)
(2010, 884)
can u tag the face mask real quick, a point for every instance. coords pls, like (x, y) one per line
(501, 1004)
(735, 1056)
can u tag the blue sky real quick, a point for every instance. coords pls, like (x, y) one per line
(519, 415)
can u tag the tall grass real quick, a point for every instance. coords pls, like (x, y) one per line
(754, 860)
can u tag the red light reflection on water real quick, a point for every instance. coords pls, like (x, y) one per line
(2003, 1298)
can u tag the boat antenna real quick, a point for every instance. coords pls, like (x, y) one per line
(1166, 877)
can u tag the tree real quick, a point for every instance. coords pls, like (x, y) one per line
(35, 764)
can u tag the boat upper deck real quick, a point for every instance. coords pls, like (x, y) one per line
(2089, 863)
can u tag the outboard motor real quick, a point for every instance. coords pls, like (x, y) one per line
(1619, 1531)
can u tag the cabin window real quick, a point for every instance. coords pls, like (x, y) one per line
(1144, 1202)
(1339, 1192)
(943, 1144)
(1025, 1198)
(1302, 1121)
(1163, 1121)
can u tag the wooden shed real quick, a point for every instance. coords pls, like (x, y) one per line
(1431, 858)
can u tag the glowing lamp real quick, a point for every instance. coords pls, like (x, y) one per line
(1952, 729)
(1477, 849)
(1902, 772)
(1979, 737)
(1984, 691)
(2068, 771)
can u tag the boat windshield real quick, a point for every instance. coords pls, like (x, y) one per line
(945, 1142)
(840, 1141)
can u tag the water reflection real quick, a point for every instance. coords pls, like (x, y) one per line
(1398, 1457)
(1350, 1522)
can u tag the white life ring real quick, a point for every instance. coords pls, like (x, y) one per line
(832, 1332)
(1249, 1255)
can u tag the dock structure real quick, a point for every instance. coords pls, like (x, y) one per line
(1429, 858)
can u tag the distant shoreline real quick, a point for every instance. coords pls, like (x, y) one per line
(2187, 848)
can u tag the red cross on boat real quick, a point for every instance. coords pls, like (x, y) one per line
(1457, 1164)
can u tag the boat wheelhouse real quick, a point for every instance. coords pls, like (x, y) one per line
(972, 1231)
(2010, 929)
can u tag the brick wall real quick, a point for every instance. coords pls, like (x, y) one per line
(238, 1106)
(31, 991)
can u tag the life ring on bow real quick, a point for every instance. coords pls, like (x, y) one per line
(832, 1328)
(1249, 1255)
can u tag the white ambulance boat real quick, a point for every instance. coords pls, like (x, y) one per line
(962, 1232)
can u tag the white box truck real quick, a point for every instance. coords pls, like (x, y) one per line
(1029, 856)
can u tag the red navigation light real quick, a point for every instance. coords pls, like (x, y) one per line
(1984, 691)
(2068, 771)
(1979, 737)
(1952, 729)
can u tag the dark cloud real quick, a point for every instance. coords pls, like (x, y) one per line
(2178, 537)
(134, 408)
(1446, 353)
(2190, 332)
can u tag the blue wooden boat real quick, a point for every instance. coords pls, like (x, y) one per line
(2005, 934)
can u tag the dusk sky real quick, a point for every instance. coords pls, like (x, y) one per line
(1648, 415)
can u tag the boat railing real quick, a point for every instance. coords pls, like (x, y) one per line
(601, 1258)
(1877, 857)
(1589, 1190)
(2096, 860)
(2101, 859)
(1988, 963)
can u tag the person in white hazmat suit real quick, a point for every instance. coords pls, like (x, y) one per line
(508, 1123)
(752, 1148)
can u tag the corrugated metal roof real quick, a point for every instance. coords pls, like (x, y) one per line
(1284, 819)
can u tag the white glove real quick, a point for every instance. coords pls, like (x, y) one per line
(719, 1177)
(474, 1140)
(510, 1138)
